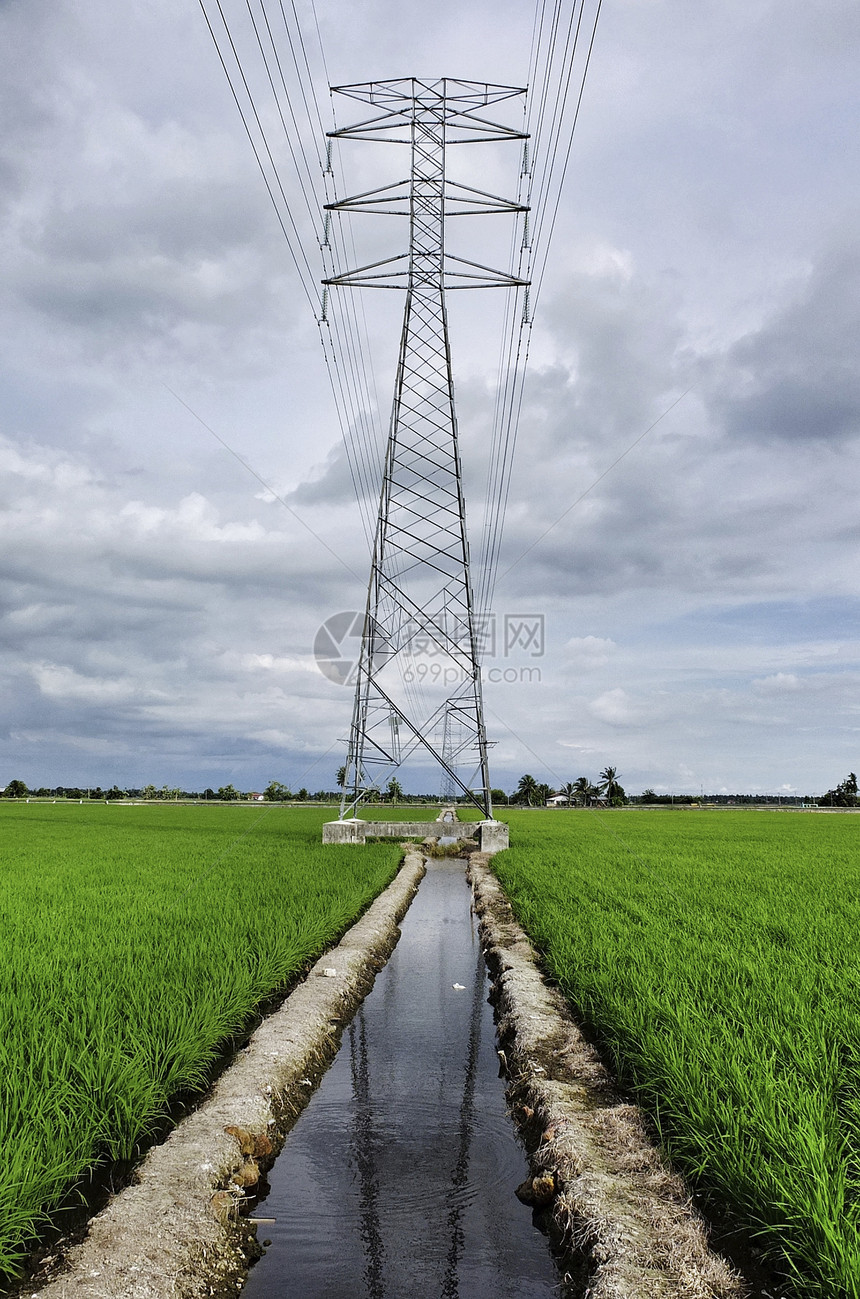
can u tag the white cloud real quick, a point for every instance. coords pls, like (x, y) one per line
(617, 708)
(60, 682)
(779, 683)
(585, 652)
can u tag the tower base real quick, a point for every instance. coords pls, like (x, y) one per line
(490, 836)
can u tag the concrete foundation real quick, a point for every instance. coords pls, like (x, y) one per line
(359, 831)
(411, 829)
(494, 836)
(352, 831)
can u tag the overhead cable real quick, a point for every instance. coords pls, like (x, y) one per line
(556, 85)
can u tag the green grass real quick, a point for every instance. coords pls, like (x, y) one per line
(398, 811)
(715, 954)
(135, 941)
(468, 812)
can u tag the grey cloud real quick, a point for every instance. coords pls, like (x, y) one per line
(339, 483)
(177, 217)
(688, 509)
(170, 638)
(154, 622)
(797, 378)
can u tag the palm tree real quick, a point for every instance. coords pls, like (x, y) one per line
(609, 785)
(527, 790)
(569, 791)
(583, 790)
(393, 790)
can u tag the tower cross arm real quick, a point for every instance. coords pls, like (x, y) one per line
(459, 199)
(361, 274)
(456, 192)
(489, 279)
(457, 96)
(372, 199)
(372, 129)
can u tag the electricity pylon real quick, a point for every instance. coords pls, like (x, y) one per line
(418, 678)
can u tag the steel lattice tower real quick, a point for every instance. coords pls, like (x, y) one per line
(419, 610)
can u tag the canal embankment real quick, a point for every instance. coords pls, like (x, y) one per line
(610, 1201)
(178, 1229)
(419, 1083)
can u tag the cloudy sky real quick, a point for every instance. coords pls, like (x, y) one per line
(176, 516)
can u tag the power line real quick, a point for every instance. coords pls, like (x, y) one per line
(343, 335)
(597, 481)
(551, 115)
(552, 127)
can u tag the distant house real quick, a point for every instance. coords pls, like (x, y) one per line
(557, 800)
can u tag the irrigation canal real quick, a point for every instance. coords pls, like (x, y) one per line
(398, 1180)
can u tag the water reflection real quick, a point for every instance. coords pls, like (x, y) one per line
(397, 1181)
(364, 1160)
(460, 1178)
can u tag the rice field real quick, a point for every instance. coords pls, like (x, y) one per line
(398, 811)
(135, 941)
(715, 956)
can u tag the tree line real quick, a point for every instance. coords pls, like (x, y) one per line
(844, 795)
(607, 791)
(579, 793)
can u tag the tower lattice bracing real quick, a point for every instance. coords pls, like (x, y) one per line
(418, 677)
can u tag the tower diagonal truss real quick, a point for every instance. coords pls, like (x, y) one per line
(418, 677)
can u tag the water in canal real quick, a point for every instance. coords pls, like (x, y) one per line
(398, 1180)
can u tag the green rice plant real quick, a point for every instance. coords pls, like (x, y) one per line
(399, 811)
(137, 942)
(715, 956)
